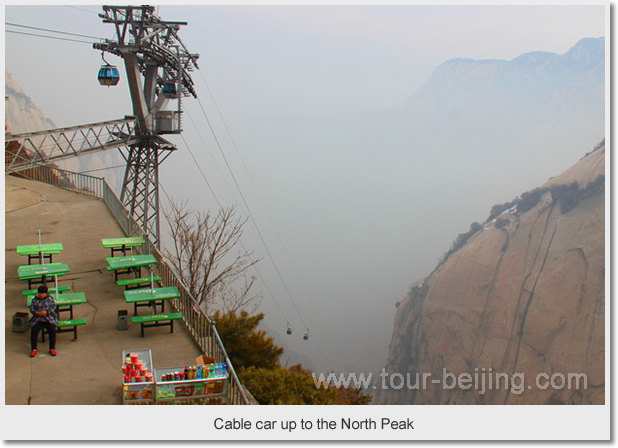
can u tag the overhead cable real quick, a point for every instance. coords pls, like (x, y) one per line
(283, 282)
(50, 31)
(255, 189)
(242, 196)
(49, 37)
(249, 210)
(221, 206)
(82, 9)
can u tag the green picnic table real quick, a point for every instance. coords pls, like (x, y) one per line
(66, 301)
(40, 251)
(151, 297)
(129, 263)
(61, 289)
(33, 272)
(122, 244)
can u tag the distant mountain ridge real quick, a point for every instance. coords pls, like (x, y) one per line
(586, 59)
(533, 89)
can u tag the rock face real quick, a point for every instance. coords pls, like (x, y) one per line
(22, 115)
(522, 302)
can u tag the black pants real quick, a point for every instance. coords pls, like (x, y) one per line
(34, 334)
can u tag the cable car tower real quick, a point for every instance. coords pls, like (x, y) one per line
(158, 67)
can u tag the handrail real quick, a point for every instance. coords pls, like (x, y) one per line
(201, 328)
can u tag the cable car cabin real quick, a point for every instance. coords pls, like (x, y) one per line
(168, 122)
(108, 75)
(169, 90)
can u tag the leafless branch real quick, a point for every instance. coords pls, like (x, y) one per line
(205, 256)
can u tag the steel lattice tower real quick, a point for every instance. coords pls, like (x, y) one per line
(158, 67)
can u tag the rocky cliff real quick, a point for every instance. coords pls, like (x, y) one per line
(22, 115)
(520, 303)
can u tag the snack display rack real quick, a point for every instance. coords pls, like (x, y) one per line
(174, 386)
(137, 377)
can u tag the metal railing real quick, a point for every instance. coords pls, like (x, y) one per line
(201, 328)
(66, 180)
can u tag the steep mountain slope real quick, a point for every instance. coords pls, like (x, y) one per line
(524, 296)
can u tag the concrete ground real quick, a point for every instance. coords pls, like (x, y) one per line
(86, 370)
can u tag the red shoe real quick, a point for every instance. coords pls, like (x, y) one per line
(52, 352)
(33, 353)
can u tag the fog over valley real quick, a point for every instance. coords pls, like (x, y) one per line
(357, 140)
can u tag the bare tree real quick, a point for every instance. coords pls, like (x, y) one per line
(207, 258)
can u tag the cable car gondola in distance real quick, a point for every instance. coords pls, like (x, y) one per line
(108, 75)
(169, 90)
(289, 330)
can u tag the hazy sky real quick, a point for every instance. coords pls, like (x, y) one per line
(277, 74)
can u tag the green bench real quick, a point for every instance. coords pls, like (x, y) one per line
(118, 272)
(66, 326)
(136, 283)
(130, 264)
(31, 292)
(156, 320)
(65, 302)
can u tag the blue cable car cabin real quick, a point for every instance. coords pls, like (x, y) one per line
(169, 90)
(108, 75)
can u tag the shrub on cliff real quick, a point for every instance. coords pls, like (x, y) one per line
(246, 346)
(530, 199)
(285, 386)
(498, 209)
